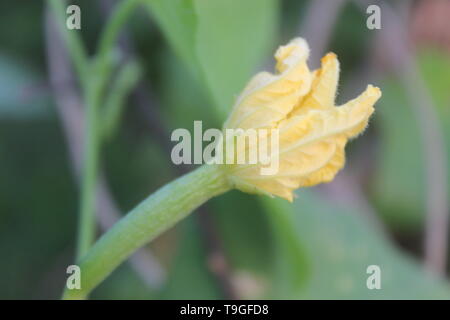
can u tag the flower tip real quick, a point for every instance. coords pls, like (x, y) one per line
(329, 58)
(373, 91)
(298, 43)
(289, 196)
(286, 196)
(296, 50)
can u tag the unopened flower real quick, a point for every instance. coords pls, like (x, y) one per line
(299, 105)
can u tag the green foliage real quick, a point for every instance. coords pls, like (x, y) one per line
(178, 21)
(310, 249)
(232, 37)
(399, 180)
(338, 244)
(244, 232)
(435, 67)
(36, 220)
(21, 96)
(189, 277)
(222, 41)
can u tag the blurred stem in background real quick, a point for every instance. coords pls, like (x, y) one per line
(93, 86)
(69, 106)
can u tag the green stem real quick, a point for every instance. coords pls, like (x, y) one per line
(93, 92)
(114, 25)
(76, 50)
(93, 85)
(86, 218)
(149, 219)
(127, 77)
(109, 36)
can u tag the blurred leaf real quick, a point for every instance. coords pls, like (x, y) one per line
(348, 42)
(435, 67)
(38, 203)
(189, 278)
(183, 100)
(232, 37)
(23, 94)
(221, 40)
(178, 21)
(339, 245)
(399, 181)
(291, 264)
(243, 229)
(123, 283)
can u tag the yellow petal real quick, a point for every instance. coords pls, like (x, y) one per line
(359, 108)
(311, 148)
(323, 88)
(268, 98)
(316, 126)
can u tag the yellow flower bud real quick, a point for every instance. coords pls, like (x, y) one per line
(299, 105)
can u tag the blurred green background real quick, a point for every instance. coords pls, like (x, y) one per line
(196, 56)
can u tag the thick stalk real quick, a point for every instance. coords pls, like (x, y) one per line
(149, 219)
